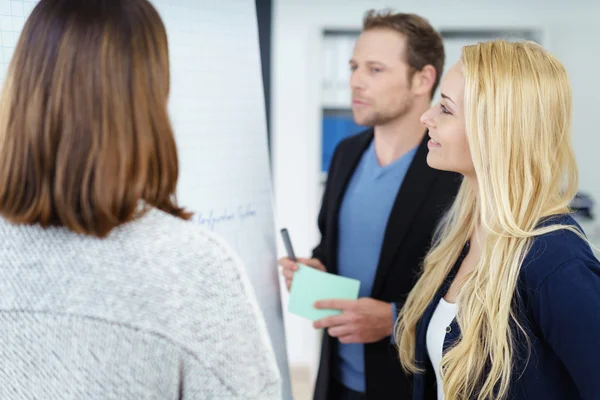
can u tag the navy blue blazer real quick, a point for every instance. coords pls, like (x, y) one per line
(558, 303)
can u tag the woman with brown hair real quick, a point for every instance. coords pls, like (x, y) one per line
(107, 290)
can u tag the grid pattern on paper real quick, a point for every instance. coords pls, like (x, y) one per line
(13, 14)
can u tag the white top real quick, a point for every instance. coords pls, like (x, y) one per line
(436, 332)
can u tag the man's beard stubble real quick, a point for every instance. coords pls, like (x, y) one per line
(378, 118)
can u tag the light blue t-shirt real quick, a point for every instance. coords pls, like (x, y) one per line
(363, 218)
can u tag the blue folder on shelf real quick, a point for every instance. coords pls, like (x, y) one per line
(335, 129)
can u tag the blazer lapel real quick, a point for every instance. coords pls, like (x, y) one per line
(351, 158)
(413, 192)
(421, 331)
(421, 356)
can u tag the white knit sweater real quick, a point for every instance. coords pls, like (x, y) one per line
(158, 310)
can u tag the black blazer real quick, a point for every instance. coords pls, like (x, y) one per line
(424, 196)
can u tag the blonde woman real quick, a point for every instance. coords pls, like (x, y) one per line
(508, 303)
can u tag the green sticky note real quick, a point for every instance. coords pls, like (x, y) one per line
(311, 285)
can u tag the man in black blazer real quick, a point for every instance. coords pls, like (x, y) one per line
(381, 205)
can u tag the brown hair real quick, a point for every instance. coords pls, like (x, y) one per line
(85, 132)
(424, 45)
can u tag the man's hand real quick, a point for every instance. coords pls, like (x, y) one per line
(364, 320)
(290, 268)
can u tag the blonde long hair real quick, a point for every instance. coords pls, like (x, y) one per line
(518, 121)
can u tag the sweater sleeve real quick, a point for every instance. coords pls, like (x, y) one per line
(567, 309)
(234, 358)
(197, 383)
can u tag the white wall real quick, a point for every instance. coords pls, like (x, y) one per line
(570, 32)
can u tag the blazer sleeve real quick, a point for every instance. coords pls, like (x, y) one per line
(320, 252)
(567, 309)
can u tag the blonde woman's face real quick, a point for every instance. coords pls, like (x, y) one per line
(448, 147)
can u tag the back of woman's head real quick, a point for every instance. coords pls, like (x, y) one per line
(84, 130)
(517, 114)
(518, 120)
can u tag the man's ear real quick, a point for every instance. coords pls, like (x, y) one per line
(423, 81)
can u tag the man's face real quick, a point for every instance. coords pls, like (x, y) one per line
(381, 88)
